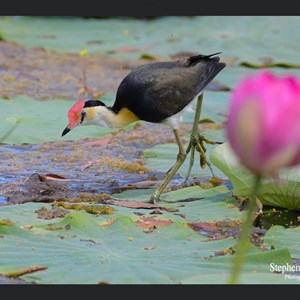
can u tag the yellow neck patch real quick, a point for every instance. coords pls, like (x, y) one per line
(124, 117)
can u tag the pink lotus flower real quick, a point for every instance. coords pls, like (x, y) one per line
(263, 125)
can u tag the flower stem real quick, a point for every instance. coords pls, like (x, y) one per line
(242, 244)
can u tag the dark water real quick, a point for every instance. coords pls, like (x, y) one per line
(278, 216)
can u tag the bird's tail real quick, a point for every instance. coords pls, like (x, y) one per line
(193, 60)
(209, 66)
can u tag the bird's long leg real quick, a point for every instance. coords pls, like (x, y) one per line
(197, 142)
(180, 160)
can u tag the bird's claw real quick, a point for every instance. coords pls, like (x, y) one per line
(207, 141)
(197, 143)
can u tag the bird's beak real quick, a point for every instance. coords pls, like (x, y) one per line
(69, 127)
(66, 130)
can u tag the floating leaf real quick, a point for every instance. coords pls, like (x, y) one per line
(268, 65)
(283, 192)
(89, 208)
(255, 271)
(152, 222)
(134, 204)
(279, 237)
(147, 56)
(80, 251)
(40, 121)
(217, 230)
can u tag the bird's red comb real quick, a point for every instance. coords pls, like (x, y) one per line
(74, 112)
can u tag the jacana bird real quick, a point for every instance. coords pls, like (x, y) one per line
(157, 92)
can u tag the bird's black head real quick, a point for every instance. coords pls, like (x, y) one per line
(92, 103)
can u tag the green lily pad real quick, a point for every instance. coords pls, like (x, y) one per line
(268, 65)
(279, 237)
(81, 251)
(40, 121)
(78, 249)
(84, 248)
(284, 193)
(206, 204)
(256, 269)
(129, 38)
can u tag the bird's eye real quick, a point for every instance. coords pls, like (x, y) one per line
(82, 116)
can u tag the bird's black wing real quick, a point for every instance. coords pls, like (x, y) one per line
(159, 90)
(170, 91)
